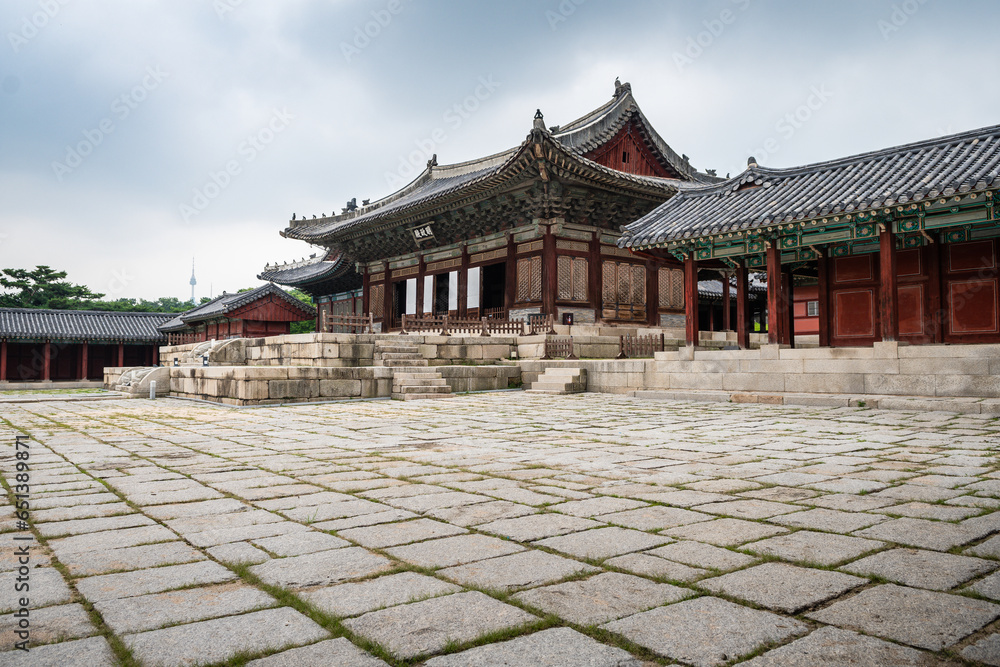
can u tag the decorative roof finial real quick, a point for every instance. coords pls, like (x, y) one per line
(539, 123)
(433, 161)
(621, 88)
(751, 162)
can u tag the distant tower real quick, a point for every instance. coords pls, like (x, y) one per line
(194, 281)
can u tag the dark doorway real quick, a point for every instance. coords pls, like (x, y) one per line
(494, 283)
(398, 303)
(441, 283)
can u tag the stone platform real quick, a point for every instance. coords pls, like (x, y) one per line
(495, 529)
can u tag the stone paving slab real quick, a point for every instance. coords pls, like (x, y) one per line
(520, 570)
(601, 598)
(339, 652)
(921, 533)
(655, 517)
(706, 631)
(297, 544)
(480, 513)
(322, 568)
(81, 526)
(450, 551)
(986, 650)
(218, 639)
(725, 532)
(155, 580)
(833, 521)
(46, 587)
(919, 618)
(651, 566)
(426, 627)
(129, 558)
(49, 625)
(352, 599)
(697, 554)
(603, 542)
(783, 587)
(920, 568)
(809, 547)
(148, 612)
(555, 647)
(538, 526)
(392, 534)
(834, 647)
(90, 652)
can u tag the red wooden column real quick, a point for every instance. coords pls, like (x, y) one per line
(594, 287)
(463, 284)
(549, 273)
(742, 307)
(3, 361)
(366, 292)
(510, 275)
(935, 309)
(421, 269)
(84, 362)
(888, 310)
(121, 354)
(788, 297)
(691, 298)
(727, 315)
(823, 296)
(776, 307)
(156, 354)
(47, 361)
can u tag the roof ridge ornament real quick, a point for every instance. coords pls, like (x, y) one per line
(621, 88)
(751, 162)
(539, 122)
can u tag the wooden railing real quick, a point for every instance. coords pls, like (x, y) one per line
(495, 313)
(181, 338)
(353, 324)
(559, 348)
(447, 325)
(633, 347)
(541, 324)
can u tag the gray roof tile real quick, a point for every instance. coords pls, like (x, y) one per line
(81, 325)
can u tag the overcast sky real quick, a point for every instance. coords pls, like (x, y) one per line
(135, 134)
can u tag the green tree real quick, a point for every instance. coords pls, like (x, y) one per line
(42, 287)
(306, 326)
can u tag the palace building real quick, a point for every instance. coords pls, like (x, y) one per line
(531, 230)
(898, 244)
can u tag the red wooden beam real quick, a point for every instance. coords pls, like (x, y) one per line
(788, 298)
(652, 293)
(463, 285)
(84, 362)
(691, 299)
(156, 355)
(47, 361)
(823, 296)
(421, 269)
(888, 308)
(936, 316)
(775, 313)
(510, 274)
(121, 354)
(594, 269)
(3, 361)
(742, 306)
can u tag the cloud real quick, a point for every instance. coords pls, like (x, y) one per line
(354, 118)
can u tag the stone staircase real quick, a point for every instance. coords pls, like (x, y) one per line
(560, 380)
(411, 378)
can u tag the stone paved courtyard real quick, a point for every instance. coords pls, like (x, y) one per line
(503, 529)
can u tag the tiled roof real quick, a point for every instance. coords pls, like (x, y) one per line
(306, 271)
(762, 197)
(569, 143)
(226, 303)
(81, 325)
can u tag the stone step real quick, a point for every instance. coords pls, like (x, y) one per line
(407, 349)
(397, 375)
(551, 392)
(414, 397)
(420, 382)
(564, 387)
(401, 363)
(565, 372)
(399, 355)
(421, 389)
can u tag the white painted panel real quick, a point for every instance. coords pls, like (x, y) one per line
(473, 298)
(453, 290)
(411, 296)
(428, 294)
